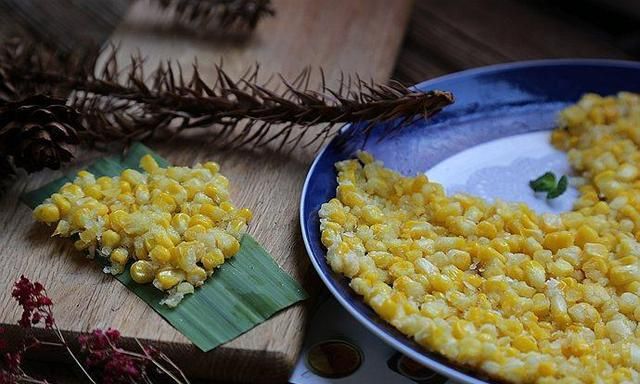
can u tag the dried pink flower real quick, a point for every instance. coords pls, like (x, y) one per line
(112, 364)
(13, 361)
(121, 368)
(7, 377)
(102, 354)
(36, 305)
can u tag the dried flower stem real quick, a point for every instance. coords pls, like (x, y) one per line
(73, 355)
(156, 364)
(27, 379)
(162, 368)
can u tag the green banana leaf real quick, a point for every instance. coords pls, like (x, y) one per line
(245, 291)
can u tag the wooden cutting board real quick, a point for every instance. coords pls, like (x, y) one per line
(340, 36)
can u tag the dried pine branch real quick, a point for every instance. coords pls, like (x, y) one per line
(224, 13)
(124, 104)
(293, 112)
(21, 57)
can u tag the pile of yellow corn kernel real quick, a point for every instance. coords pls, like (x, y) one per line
(177, 223)
(521, 296)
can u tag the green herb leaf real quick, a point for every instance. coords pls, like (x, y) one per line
(544, 183)
(245, 291)
(559, 189)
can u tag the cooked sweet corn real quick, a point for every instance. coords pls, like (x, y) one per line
(176, 223)
(525, 298)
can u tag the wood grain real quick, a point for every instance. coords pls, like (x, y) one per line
(64, 24)
(448, 36)
(350, 36)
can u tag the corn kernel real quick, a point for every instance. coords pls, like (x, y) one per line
(488, 254)
(227, 206)
(119, 256)
(525, 343)
(160, 255)
(202, 220)
(441, 283)
(62, 203)
(557, 240)
(212, 166)
(140, 250)
(192, 233)
(149, 164)
(535, 274)
(169, 278)
(164, 202)
(118, 219)
(162, 238)
(227, 244)
(213, 259)
(586, 234)
(196, 276)
(217, 194)
(180, 222)
(47, 213)
(142, 272)
(93, 190)
(213, 212)
(104, 182)
(110, 239)
(85, 174)
(81, 244)
(461, 259)
(71, 191)
(245, 214)
(624, 274)
(486, 229)
(125, 187)
(132, 177)
(560, 268)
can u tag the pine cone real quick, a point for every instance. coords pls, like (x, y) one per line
(38, 132)
(7, 90)
(7, 173)
(6, 169)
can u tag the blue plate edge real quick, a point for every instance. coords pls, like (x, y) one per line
(376, 325)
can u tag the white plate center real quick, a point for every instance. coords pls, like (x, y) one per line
(501, 169)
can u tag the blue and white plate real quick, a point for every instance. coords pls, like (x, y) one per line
(490, 143)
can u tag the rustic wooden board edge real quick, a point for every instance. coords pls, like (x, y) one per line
(193, 362)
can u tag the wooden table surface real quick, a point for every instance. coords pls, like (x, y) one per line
(442, 37)
(360, 37)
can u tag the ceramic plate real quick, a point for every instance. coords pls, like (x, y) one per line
(489, 143)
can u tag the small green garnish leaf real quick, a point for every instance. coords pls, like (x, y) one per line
(544, 183)
(547, 183)
(559, 189)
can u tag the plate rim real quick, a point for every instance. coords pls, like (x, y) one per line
(369, 323)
